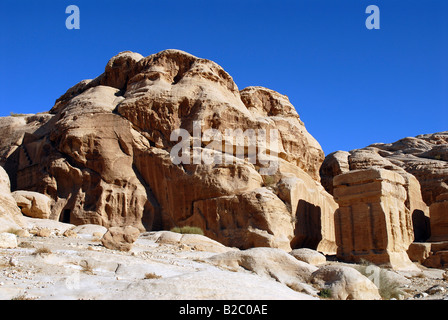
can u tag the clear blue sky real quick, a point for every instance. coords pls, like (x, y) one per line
(351, 86)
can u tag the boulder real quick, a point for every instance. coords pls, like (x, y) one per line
(345, 283)
(309, 256)
(312, 209)
(8, 241)
(419, 251)
(10, 215)
(270, 263)
(33, 225)
(120, 238)
(33, 204)
(424, 156)
(334, 164)
(43, 233)
(90, 229)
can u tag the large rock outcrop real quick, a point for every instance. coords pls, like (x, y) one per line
(10, 215)
(439, 218)
(373, 222)
(424, 156)
(107, 153)
(422, 161)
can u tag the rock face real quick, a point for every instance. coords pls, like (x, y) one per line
(372, 222)
(421, 161)
(424, 156)
(10, 215)
(107, 153)
(33, 204)
(439, 218)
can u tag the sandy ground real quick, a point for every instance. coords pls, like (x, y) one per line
(66, 268)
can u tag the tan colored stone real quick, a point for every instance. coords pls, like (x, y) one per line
(252, 219)
(269, 263)
(70, 234)
(120, 238)
(424, 156)
(439, 218)
(309, 256)
(192, 241)
(10, 215)
(373, 222)
(90, 229)
(33, 204)
(22, 233)
(419, 251)
(334, 164)
(345, 283)
(418, 208)
(102, 155)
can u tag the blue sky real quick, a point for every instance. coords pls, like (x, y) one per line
(350, 85)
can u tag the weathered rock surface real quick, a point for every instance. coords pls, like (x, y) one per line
(33, 204)
(309, 256)
(439, 218)
(80, 269)
(343, 162)
(373, 222)
(270, 263)
(170, 266)
(103, 155)
(90, 230)
(424, 156)
(10, 215)
(8, 241)
(345, 283)
(120, 238)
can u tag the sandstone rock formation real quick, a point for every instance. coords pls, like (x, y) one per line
(373, 222)
(424, 156)
(309, 256)
(439, 218)
(421, 161)
(194, 242)
(120, 238)
(33, 204)
(103, 154)
(10, 215)
(345, 283)
(270, 263)
(8, 241)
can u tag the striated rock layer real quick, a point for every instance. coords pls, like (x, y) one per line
(104, 155)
